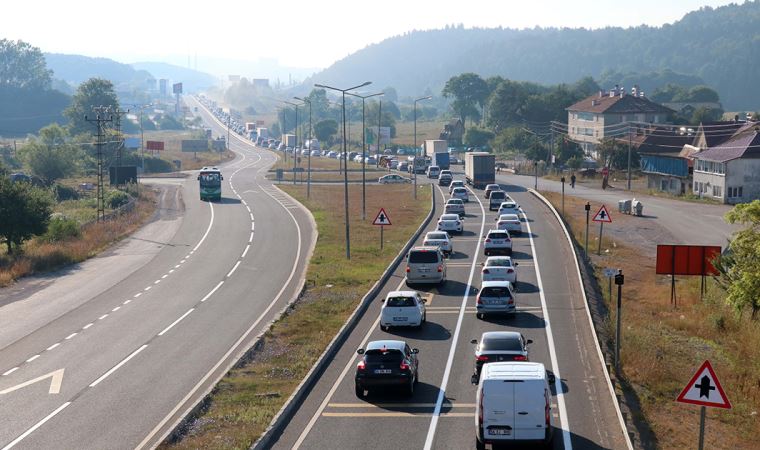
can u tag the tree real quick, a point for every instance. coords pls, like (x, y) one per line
(477, 137)
(324, 129)
(168, 122)
(51, 156)
(614, 153)
(515, 139)
(568, 150)
(739, 267)
(704, 115)
(468, 91)
(390, 94)
(23, 66)
(25, 210)
(90, 94)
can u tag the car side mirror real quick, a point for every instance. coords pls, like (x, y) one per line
(199, 178)
(474, 379)
(517, 264)
(360, 351)
(474, 341)
(415, 350)
(529, 341)
(424, 300)
(382, 300)
(550, 377)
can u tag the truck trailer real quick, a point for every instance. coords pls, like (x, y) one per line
(438, 151)
(479, 169)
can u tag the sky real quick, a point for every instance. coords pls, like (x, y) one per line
(296, 33)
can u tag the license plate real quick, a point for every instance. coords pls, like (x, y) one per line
(400, 319)
(498, 242)
(382, 371)
(494, 302)
(499, 431)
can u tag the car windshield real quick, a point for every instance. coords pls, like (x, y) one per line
(508, 205)
(449, 217)
(498, 235)
(501, 343)
(400, 301)
(455, 201)
(436, 236)
(423, 257)
(210, 177)
(499, 262)
(460, 190)
(383, 356)
(494, 291)
(498, 195)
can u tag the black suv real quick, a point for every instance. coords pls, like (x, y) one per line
(386, 364)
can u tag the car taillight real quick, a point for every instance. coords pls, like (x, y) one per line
(482, 358)
(485, 271)
(510, 270)
(510, 302)
(480, 302)
(488, 240)
(425, 243)
(408, 269)
(404, 366)
(361, 365)
(458, 222)
(480, 412)
(546, 409)
(520, 358)
(440, 268)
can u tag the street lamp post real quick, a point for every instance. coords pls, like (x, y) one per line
(308, 175)
(295, 130)
(364, 154)
(379, 125)
(414, 164)
(345, 157)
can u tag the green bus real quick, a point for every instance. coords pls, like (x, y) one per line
(210, 183)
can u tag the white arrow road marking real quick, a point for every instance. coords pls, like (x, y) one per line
(55, 382)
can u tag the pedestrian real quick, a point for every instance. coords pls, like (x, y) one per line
(572, 180)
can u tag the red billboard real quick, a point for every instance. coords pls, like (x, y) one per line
(686, 259)
(155, 145)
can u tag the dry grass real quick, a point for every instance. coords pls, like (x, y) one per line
(662, 346)
(39, 256)
(246, 400)
(173, 150)
(425, 130)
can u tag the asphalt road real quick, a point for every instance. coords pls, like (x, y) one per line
(112, 352)
(440, 414)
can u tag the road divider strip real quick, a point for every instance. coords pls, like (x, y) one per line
(588, 315)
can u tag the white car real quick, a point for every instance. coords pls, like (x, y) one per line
(440, 239)
(455, 184)
(499, 268)
(497, 241)
(509, 222)
(454, 206)
(461, 193)
(509, 207)
(402, 309)
(450, 223)
(332, 155)
(393, 179)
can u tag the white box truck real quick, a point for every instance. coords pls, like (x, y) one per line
(479, 169)
(438, 151)
(514, 404)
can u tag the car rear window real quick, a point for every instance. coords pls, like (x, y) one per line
(498, 235)
(437, 236)
(449, 217)
(497, 195)
(400, 301)
(502, 262)
(423, 257)
(501, 344)
(494, 291)
(380, 356)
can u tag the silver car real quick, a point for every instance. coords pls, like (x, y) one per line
(454, 206)
(455, 184)
(425, 265)
(461, 193)
(499, 268)
(439, 239)
(495, 297)
(509, 222)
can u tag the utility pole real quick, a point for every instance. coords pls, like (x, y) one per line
(308, 175)
(379, 125)
(629, 156)
(587, 207)
(364, 152)
(100, 122)
(619, 280)
(119, 143)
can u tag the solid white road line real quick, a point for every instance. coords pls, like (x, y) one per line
(335, 385)
(176, 322)
(455, 339)
(117, 366)
(208, 230)
(563, 418)
(37, 425)
(212, 291)
(234, 268)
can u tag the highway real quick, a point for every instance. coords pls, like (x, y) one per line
(440, 414)
(111, 353)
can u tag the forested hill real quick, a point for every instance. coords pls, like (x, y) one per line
(720, 45)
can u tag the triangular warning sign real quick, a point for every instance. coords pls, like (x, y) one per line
(603, 215)
(704, 389)
(382, 218)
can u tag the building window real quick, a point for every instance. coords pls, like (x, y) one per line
(717, 191)
(585, 116)
(696, 188)
(740, 191)
(735, 192)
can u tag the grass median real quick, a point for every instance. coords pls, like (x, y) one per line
(662, 346)
(247, 399)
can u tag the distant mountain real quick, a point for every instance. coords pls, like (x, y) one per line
(74, 69)
(192, 80)
(718, 45)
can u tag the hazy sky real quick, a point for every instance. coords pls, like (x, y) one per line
(313, 33)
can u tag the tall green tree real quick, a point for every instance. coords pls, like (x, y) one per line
(325, 129)
(477, 137)
(469, 91)
(23, 66)
(90, 94)
(25, 210)
(51, 156)
(739, 267)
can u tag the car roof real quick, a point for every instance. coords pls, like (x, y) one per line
(388, 344)
(455, 200)
(494, 258)
(450, 216)
(401, 294)
(436, 232)
(500, 335)
(514, 370)
(497, 231)
(495, 284)
(425, 248)
(509, 216)
(508, 202)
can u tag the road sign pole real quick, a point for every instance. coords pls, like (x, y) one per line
(588, 212)
(702, 414)
(619, 279)
(601, 228)
(381, 236)
(563, 196)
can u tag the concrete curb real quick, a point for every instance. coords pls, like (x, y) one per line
(588, 315)
(290, 407)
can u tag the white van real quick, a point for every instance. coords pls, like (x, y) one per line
(433, 172)
(514, 404)
(425, 265)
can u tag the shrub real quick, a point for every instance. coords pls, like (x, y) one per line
(63, 193)
(114, 199)
(61, 228)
